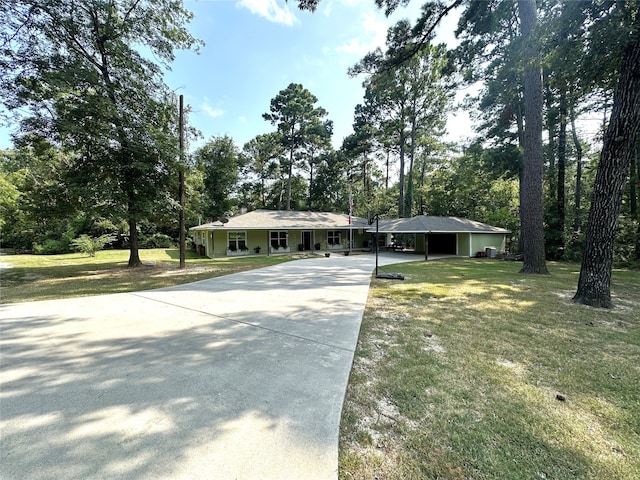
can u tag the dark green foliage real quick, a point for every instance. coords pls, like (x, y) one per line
(157, 240)
(51, 246)
(219, 161)
(75, 66)
(478, 185)
(302, 127)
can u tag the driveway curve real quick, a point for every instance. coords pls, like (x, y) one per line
(237, 377)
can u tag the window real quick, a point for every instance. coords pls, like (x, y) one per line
(333, 237)
(237, 241)
(279, 239)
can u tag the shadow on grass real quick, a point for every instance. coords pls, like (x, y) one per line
(474, 354)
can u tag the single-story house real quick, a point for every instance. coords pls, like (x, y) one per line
(280, 231)
(445, 235)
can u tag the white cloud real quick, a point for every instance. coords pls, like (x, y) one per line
(328, 9)
(272, 10)
(212, 112)
(374, 35)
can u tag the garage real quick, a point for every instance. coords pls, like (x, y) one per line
(432, 235)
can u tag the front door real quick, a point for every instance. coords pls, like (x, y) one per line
(306, 240)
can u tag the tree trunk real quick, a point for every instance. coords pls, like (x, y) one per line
(633, 181)
(289, 173)
(578, 193)
(309, 202)
(386, 178)
(520, 122)
(562, 162)
(134, 256)
(636, 212)
(401, 179)
(423, 172)
(531, 209)
(594, 284)
(412, 149)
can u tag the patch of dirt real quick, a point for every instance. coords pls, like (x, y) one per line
(432, 344)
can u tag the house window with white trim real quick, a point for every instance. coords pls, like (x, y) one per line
(333, 237)
(237, 241)
(279, 239)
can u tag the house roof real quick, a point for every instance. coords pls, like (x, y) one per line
(429, 224)
(286, 220)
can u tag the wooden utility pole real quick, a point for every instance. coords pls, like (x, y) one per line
(181, 195)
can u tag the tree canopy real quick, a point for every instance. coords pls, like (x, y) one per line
(78, 67)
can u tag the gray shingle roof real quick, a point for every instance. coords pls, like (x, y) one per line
(428, 224)
(286, 220)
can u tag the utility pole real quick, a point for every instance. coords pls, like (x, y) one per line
(181, 195)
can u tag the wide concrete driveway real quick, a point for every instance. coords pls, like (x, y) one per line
(238, 377)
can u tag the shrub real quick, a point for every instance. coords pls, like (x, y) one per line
(157, 240)
(51, 246)
(89, 245)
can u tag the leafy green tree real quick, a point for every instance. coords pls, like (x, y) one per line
(262, 155)
(76, 66)
(298, 120)
(318, 141)
(220, 163)
(477, 185)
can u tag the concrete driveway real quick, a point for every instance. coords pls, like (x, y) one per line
(238, 377)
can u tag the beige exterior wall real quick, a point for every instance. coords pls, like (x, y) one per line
(480, 241)
(216, 242)
(464, 245)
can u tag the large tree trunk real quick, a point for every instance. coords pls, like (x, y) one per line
(594, 284)
(520, 123)
(134, 255)
(531, 209)
(635, 210)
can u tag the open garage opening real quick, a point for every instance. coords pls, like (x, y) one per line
(442, 244)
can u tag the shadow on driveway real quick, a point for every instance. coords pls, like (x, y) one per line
(235, 377)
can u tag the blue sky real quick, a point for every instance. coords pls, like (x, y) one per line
(255, 48)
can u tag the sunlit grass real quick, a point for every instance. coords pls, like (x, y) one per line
(45, 277)
(468, 369)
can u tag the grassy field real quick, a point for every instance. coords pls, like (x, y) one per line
(45, 277)
(469, 370)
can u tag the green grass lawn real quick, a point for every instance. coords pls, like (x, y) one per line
(45, 277)
(470, 370)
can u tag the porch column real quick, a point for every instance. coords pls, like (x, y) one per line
(426, 247)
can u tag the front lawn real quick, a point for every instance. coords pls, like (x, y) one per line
(470, 370)
(45, 277)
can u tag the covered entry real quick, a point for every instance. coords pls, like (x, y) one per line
(306, 240)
